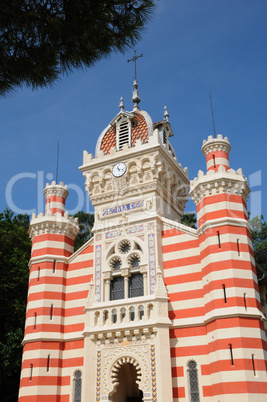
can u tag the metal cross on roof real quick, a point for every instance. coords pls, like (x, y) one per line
(134, 59)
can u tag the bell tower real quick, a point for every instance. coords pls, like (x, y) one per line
(133, 181)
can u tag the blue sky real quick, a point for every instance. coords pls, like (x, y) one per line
(190, 47)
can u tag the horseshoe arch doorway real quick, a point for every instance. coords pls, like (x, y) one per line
(127, 389)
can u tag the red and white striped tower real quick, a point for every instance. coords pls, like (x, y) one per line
(216, 151)
(53, 237)
(233, 316)
(55, 197)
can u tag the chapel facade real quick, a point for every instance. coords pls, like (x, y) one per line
(148, 309)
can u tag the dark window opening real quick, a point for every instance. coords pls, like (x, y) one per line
(38, 275)
(238, 248)
(35, 320)
(51, 311)
(123, 134)
(136, 286)
(132, 314)
(193, 381)
(214, 163)
(48, 363)
(253, 364)
(31, 372)
(77, 386)
(231, 354)
(54, 266)
(117, 288)
(165, 137)
(245, 300)
(224, 293)
(114, 316)
(219, 239)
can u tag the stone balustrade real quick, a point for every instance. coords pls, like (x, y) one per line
(118, 317)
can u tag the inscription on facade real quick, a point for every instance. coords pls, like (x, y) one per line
(123, 208)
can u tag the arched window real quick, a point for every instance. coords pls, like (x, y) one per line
(77, 386)
(193, 381)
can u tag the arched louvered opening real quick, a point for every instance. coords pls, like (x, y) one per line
(123, 134)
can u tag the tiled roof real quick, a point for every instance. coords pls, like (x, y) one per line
(139, 131)
(109, 140)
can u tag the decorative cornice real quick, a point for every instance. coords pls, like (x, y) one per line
(222, 181)
(60, 190)
(55, 224)
(216, 144)
(223, 222)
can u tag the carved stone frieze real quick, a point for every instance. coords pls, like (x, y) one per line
(216, 144)
(230, 181)
(115, 357)
(55, 224)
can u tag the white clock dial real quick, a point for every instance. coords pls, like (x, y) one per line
(119, 169)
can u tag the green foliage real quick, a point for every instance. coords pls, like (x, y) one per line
(189, 219)
(86, 222)
(40, 39)
(15, 248)
(259, 241)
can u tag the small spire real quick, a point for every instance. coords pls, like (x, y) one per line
(121, 105)
(136, 99)
(166, 113)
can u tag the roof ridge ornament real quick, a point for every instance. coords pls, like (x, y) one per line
(136, 99)
(166, 114)
(121, 105)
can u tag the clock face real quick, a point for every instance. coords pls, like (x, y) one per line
(119, 169)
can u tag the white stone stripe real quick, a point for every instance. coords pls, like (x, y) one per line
(39, 390)
(220, 206)
(225, 256)
(218, 294)
(230, 274)
(236, 333)
(224, 239)
(179, 254)
(182, 270)
(218, 161)
(182, 305)
(184, 287)
(178, 239)
(82, 258)
(55, 204)
(52, 244)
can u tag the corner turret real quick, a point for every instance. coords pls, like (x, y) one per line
(55, 197)
(216, 151)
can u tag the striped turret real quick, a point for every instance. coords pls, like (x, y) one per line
(216, 151)
(55, 197)
(232, 308)
(53, 237)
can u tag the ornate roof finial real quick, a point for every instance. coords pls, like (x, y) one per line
(136, 99)
(166, 113)
(121, 105)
